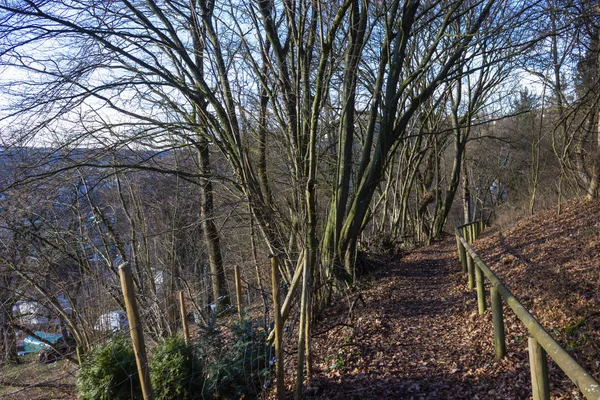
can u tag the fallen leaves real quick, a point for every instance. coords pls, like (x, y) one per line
(418, 336)
(555, 272)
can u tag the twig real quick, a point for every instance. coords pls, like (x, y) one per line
(362, 300)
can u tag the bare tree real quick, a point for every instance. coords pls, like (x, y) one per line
(303, 104)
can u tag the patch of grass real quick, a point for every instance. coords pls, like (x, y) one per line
(30, 372)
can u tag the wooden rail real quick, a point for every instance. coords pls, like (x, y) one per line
(541, 343)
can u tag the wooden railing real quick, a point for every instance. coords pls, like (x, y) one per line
(541, 343)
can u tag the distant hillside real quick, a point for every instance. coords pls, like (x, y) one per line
(552, 263)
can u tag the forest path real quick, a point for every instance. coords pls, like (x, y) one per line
(416, 336)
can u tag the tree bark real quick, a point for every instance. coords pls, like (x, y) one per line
(466, 193)
(211, 234)
(440, 221)
(8, 339)
(595, 175)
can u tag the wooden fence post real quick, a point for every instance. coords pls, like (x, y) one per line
(458, 248)
(277, 318)
(480, 289)
(539, 371)
(135, 330)
(461, 254)
(498, 320)
(238, 291)
(470, 272)
(184, 320)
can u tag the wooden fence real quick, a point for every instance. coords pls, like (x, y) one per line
(541, 343)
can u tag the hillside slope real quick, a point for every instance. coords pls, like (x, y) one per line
(412, 330)
(552, 264)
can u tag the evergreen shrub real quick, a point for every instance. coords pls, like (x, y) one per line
(110, 373)
(176, 372)
(240, 369)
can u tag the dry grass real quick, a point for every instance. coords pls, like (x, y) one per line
(31, 380)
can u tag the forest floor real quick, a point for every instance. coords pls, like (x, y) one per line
(412, 330)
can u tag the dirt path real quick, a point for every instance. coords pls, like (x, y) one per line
(418, 336)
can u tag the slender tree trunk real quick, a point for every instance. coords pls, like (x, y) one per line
(8, 339)
(341, 191)
(595, 175)
(262, 133)
(201, 32)
(466, 193)
(257, 268)
(440, 221)
(211, 235)
(561, 130)
(535, 167)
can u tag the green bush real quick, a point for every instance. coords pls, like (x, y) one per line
(176, 372)
(240, 369)
(110, 373)
(236, 364)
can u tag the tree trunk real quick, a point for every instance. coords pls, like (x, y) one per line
(8, 339)
(200, 34)
(341, 190)
(466, 191)
(595, 175)
(211, 235)
(262, 134)
(440, 221)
